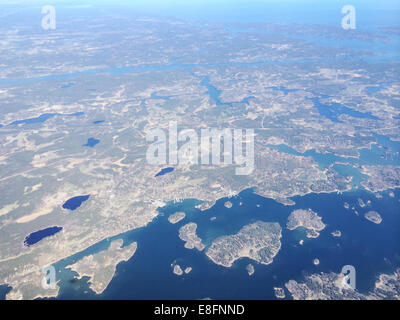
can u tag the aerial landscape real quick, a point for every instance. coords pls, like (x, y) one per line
(218, 150)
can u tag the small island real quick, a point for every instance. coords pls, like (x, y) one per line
(259, 241)
(176, 217)
(361, 202)
(250, 269)
(188, 270)
(228, 204)
(373, 216)
(279, 293)
(177, 270)
(188, 234)
(307, 219)
(336, 233)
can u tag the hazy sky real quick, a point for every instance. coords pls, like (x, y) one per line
(378, 12)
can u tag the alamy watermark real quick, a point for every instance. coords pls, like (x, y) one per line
(349, 20)
(49, 278)
(49, 20)
(349, 279)
(212, 146)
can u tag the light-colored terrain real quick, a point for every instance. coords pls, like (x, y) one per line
(307, 219)
(187, 233)
(259, 241)
(44, 164)
(100, 267)
(373, 216)
(176, 217)
(331, 286)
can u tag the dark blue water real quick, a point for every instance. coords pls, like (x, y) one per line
(98, 121)
(35, 237)
(164, 171)
(4, 289)
(75, 202)
(44, 117)
(370, 248)
(91, 142)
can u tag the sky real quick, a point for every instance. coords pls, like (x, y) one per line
(376, 12)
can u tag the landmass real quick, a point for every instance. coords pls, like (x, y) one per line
(228, 204)
(176, 217)
(250, 269)
(330, 286)
(188, 234)
(177, 270)
(279, 293)
(259, 241)
(307, 219)
(188, 270)
(43, 162)
(100, 267)
(336, 233)
(373, 216)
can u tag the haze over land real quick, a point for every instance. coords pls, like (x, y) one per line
(78, 193)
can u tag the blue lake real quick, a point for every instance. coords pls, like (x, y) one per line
(91, 142)
(75, 202)
(4, 289)
(98, 121)
(44, 117)
(164, 171)
(35, 237)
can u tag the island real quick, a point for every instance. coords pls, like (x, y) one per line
(188, 234)
(373, 216)
(331, 286)
(177, 270)
(259, 241)
(250, 269)
(100, 267)
(188, 270)
(228, 204)
(176, 217)
(336, 233)
(279, 293)
(307, 219)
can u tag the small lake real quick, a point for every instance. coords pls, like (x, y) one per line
(43, 117)
(91, 142)
(164, 171)
(75, 202)
(36, 236)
